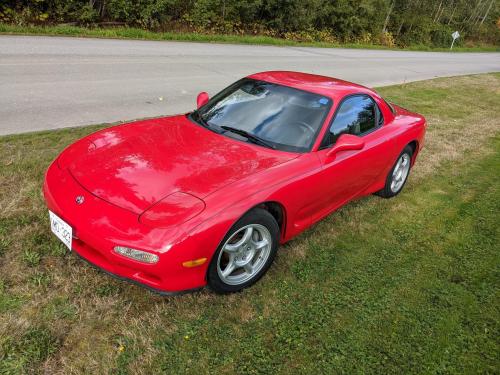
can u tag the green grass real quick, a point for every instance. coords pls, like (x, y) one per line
(134, 33)
(31, 349)
(407, 285)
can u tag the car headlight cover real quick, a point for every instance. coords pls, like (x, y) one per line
(139, 255)
(174, 209)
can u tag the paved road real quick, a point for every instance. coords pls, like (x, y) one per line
(49, 82)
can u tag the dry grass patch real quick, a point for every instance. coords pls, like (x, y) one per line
(461, 112)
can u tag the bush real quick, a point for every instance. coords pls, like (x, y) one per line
(441, 36)
(360, 21)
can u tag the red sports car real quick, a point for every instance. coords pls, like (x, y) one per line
(176, 203)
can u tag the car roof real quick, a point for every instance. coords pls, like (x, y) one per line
(328, 86)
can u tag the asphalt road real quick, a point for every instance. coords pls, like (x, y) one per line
(52, 82)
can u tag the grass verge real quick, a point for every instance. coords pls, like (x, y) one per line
(134, 33)
(408, 285)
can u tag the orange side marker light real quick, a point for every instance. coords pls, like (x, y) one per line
(194, 262)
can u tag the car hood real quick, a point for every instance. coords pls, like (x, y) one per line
(135, 165)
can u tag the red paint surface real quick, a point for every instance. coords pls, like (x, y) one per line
(174, 188)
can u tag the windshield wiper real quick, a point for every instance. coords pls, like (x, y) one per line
(249, 136)
(201, 120)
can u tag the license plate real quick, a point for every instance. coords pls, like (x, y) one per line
(61, 229)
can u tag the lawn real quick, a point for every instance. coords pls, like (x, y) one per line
(406, 285)
(135, 33)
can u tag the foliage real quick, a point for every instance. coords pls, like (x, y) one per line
(386, 22)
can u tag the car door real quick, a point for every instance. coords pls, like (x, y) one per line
(348, 173)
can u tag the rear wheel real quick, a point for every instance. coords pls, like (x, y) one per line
(246, 253)
(398, 175)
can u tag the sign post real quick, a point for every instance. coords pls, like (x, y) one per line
(455, 36)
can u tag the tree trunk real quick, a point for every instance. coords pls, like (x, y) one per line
(400, 28)
(103, 9)
(452, 14)
(386, 22)
(438, 11)
(475, 11)
(478, 13)
(440, 14)
(487, 12)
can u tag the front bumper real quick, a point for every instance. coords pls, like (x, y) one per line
(99, 226)
(135, 282)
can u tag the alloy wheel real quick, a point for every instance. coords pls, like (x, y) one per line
(244, 254)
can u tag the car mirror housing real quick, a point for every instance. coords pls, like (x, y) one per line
(346, 142)
(202, 99)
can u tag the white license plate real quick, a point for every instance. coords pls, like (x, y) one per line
(61, 229)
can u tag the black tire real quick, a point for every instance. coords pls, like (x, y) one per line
(257, 216)
(387, 192)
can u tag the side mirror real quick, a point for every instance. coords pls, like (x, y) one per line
(202, 99)
(346, 142)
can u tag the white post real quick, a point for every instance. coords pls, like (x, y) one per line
(455, 35)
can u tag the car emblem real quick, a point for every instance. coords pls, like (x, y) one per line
(79, 199)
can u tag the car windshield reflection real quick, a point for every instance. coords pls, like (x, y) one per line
(289, 119)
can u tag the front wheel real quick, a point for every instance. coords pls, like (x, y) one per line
(398, 175)
(246, 253)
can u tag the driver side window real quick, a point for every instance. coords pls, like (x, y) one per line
(357, 115)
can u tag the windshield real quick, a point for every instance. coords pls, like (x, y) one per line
(286, 118)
